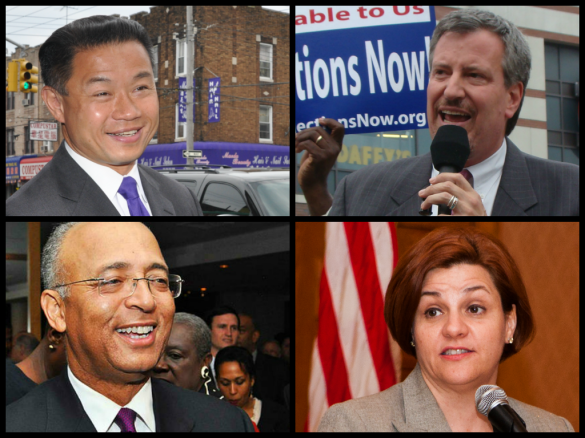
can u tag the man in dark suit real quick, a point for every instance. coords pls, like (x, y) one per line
(480, 70)
(99, 85)
(272, 374)
(109, 291)
(392, 189)
(57, 408)
(63, 188)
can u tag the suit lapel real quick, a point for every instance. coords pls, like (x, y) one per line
(410, 207)
(76, 186)
(420, 406)
(167, 410)
(159, 205)
(515, 194)
(405, 191)
(65, 411)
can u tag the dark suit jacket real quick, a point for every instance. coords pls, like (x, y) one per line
(273, 418)
(63, 188)
(530, 186)
(54, 406)
(272, 375)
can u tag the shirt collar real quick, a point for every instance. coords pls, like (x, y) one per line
(106, 178)
(487, 170)
(102, 411)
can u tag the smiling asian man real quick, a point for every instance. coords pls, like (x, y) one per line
(99, 85)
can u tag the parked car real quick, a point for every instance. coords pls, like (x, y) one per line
(225, 191)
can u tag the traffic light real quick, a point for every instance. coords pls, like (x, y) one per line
(12, 77)
(28, 77)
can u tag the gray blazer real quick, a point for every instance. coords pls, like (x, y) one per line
(63, 188)
(530, 186)
(411, 407)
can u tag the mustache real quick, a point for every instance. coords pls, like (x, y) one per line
(454, 104)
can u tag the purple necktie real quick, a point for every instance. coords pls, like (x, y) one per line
(129, 192)
(468, 176)
(125, 420)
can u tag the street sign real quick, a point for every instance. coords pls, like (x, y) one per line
(192, 154)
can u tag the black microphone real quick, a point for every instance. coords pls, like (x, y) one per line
(449, 151)
(491, 401)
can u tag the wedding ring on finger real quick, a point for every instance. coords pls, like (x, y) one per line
(453, 202)
(319, 139)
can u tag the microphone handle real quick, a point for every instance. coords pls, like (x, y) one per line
(505, 419)
(444, 209)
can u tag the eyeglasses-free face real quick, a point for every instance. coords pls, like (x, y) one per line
(125, 286)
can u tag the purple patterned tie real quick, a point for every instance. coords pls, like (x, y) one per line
(129, 192)
(125, 420)
(468, 176)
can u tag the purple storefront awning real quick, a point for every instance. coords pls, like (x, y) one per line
(245, 155)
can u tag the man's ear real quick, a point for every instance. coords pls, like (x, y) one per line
(54, 308)
(54, 102)
(516, 92)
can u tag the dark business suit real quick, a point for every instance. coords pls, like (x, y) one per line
(272, 375)
(54, 406)
(530, 186)
(63, 188)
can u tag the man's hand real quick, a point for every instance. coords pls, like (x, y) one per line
(446, 185)
(317, 162)
(321, 155)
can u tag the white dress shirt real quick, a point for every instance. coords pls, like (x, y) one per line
(110, 181)
(102, 411)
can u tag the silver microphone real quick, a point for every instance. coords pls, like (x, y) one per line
(491, 401)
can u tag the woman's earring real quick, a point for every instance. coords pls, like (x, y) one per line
(206, 378)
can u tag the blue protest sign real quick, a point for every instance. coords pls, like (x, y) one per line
(365, 66)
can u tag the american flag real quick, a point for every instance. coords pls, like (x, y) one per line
(352, 356)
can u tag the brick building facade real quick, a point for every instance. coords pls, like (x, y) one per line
(228, 44)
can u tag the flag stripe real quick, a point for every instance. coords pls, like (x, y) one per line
(330, 352)
(351, 355)
(363, 261)
(345, 299)
(317, 392)
(386, 251)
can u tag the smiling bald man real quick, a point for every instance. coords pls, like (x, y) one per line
(99, 85)
(110, 292)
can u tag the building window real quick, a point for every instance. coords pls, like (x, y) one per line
(562, 104)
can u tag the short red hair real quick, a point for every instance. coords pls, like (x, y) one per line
(446, 247)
